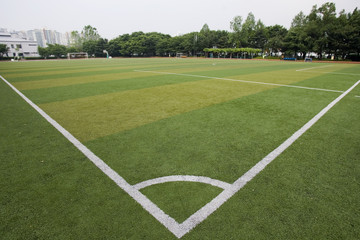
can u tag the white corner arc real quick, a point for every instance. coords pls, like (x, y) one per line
(183, 178)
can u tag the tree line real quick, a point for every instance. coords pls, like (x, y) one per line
(323, 32)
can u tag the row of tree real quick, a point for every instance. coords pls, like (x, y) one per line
(323, 32)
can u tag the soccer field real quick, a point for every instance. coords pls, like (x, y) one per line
(179, 148)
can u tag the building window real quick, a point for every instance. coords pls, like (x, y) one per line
(18, 45)
(33, 45)
(12, 45)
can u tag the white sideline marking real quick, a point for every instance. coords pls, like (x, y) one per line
(182, 178)
(244, 81)
(304, 69)
(177, 229)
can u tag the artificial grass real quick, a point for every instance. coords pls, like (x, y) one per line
(50, 191)
(56, 94)
(309, 192)
(222, 141)
(181, 199)
(88, 119)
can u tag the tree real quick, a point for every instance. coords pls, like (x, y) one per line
(76, 40)
(204, 38)
(276, 36)
(71, 49)
(221, 39)
(162, 47)
(354, 32)
(295, 42)
(260, 36)
(90, 47)
(89, 33)
(236, 26)
(56, 49)
(43, 52)
(188, 43)
(248, 28)
(297, 39)
(3, 49)
(299, 20)
(320, 27)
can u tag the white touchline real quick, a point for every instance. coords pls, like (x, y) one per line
(304, 69)
(244, 81)
(177, 229)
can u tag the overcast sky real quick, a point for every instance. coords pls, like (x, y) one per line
(116, 17)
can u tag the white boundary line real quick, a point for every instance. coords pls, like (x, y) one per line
(243, 81)
(304, 69)
(177, 229)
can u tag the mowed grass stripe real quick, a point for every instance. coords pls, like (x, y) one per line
(59, 94)
(84, 77)
(101, 66)
(93, 117)
(59, 65)
(78, 80)
(221, 70)
(50, 68)
(60, 73)
(280, 67)
(221, 141)
(332, 81)
(55, 94)
(304, 79)
(97, 88)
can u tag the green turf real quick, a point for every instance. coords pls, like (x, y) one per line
(149, 125)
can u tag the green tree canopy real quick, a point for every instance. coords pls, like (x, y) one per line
(322, 31)
(3, 49)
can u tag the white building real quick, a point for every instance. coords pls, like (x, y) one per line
(43, 37)
(19, 46)
(38, 36)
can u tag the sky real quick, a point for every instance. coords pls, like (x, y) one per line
(116, 17)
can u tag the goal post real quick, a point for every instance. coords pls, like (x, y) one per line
(77, 55)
